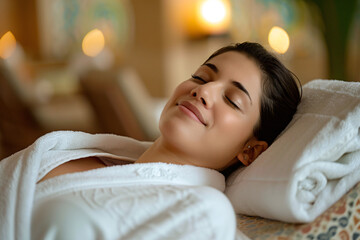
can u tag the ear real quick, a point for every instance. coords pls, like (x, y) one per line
(251, 150)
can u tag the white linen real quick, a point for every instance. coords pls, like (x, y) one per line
(184, 189)
(312, 164)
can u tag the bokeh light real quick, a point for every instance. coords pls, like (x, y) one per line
(279, 39)
(213, 16)
(213, 11)
(7, 45)
(93, 43)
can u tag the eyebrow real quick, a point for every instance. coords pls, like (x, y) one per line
(235, 83)
(212, 67)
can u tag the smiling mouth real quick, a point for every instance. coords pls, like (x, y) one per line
(190, 110)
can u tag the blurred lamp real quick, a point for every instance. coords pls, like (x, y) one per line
(93, 43)
(207, 17)
(213, 11)
(7, 45)
(279, 39)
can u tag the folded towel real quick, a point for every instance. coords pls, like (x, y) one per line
(311, 164)
(20, 172)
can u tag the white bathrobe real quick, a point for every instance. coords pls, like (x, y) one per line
(133, 201)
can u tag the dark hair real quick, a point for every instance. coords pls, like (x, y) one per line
(280, 91)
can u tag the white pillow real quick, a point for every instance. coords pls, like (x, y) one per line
(307, 168)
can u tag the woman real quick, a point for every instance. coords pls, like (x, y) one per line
(228, 112)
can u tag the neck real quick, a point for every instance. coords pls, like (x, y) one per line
(163, 152)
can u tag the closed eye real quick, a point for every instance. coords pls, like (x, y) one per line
(232, 103)
(198, 78)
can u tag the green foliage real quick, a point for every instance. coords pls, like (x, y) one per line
(337, 19)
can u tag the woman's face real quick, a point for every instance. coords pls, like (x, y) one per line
(211, 116)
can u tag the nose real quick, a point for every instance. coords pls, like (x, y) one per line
(206, 94)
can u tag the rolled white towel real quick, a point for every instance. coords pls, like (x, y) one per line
(311, 164)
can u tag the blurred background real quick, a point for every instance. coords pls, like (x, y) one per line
(107, 66)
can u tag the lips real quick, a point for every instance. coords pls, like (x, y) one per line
(192, 111)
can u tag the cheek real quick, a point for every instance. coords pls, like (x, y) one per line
(182, 90)
(234, 127)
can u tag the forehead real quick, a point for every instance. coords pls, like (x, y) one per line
(235, 59)
(237, 66)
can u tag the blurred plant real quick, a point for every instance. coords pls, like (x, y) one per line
(335, 23)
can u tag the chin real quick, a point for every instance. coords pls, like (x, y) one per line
(174, 131)
(178, 134)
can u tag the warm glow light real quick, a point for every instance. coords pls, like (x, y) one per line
(213, 11)
(7, 45)
(279, 39)
(93, 43)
